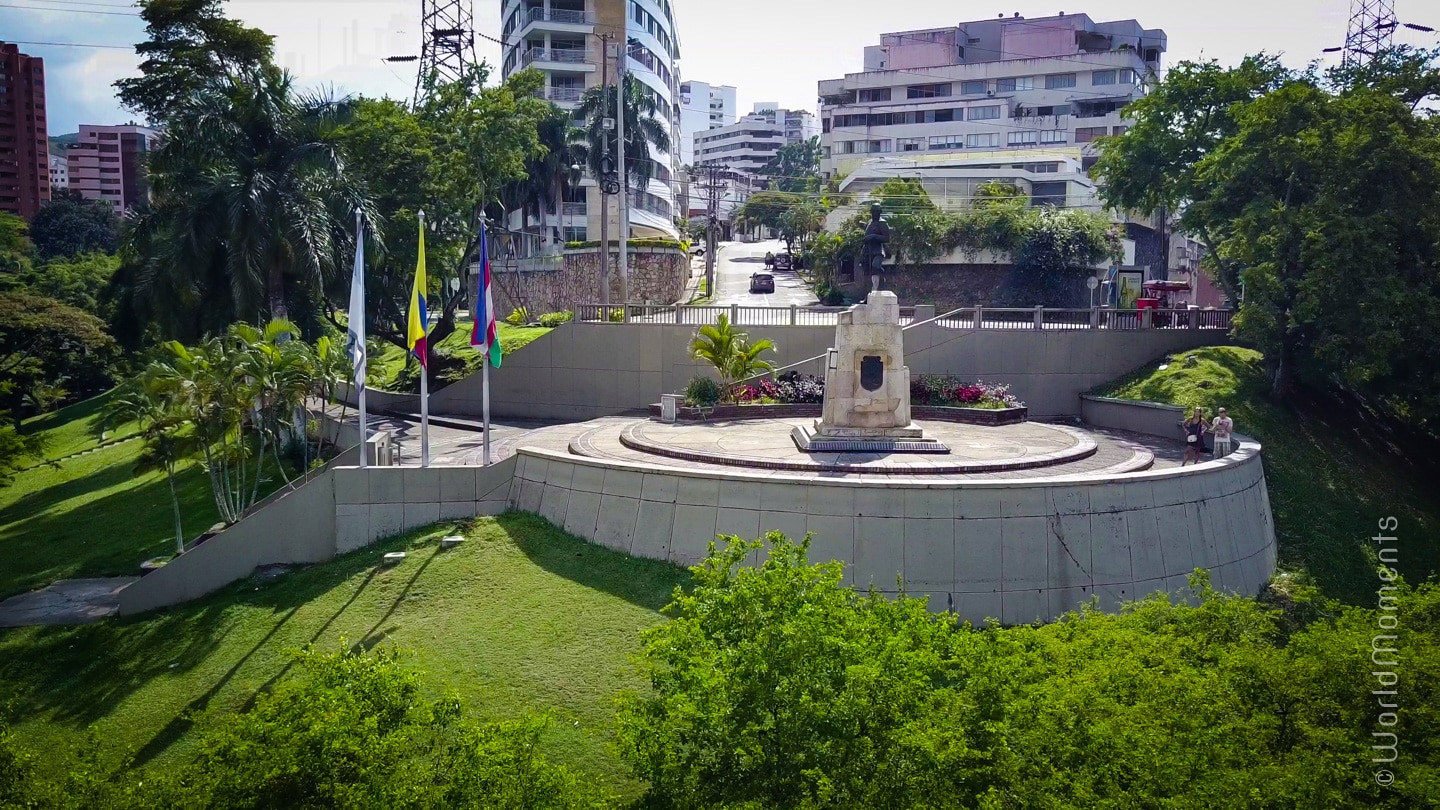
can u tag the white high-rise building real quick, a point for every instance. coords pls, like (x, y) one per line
(998, 85)
(59, 172)
(702, 107)
(562, 39)
(749, 144)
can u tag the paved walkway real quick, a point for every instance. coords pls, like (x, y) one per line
(68, 601)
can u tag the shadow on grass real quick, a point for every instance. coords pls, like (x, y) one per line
(646, 583)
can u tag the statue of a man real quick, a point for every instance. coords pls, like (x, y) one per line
(872, 252)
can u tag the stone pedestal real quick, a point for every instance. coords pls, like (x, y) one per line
(867, 392)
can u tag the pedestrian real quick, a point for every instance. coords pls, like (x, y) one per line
(1222, 427)
(1195, 428)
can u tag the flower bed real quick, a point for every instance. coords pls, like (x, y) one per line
(932, 396)
(946, 391)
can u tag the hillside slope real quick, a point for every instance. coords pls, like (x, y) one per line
(1333, 470)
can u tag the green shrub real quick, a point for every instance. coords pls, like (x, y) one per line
(518, 317)
(778, 686)
(616, 315)
(554, 319)
(702, 392)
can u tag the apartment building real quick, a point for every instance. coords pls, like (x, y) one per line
(749, 144)
(565, 40)
(1009, 83)
(108, 163)
(24, 145)
(59, 173)
(703, 107)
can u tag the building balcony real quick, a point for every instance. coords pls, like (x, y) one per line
(570, 58)
(541, 18)
(561, 95)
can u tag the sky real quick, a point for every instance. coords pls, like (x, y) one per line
(770, 50)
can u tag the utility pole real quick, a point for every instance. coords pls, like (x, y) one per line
(712, 191)
(624, 163)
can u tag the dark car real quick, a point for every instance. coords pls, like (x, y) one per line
(784, 261)
(762, 283)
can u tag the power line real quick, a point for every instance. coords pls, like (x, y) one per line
(73, 10)
(68, 44)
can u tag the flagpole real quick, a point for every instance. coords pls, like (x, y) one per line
(424, 377)
(359, 330)
(483, 304)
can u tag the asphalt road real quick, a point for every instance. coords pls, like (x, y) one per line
(736, 261)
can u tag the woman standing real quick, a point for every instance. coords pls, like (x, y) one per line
(1195, 428)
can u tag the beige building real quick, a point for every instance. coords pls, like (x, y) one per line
(108, 163)
(565, 40)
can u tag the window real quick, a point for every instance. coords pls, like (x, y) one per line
(973, 88)
(982, 140)
(927, 90)
(939, 116)
(1100, 77)
(1058, 109)
(882, 145)
(984, 113)
(1044, 168)
(824, 125)
(875, 94)
(574, 233)
(848, 147)
(1088, 134)
(1053, 136)
(1023, 138)
(909, 144)
(947, 142)
(1014, 84)
(1059, 81)
(1118, 130)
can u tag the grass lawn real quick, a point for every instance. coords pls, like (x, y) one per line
(522, 618)
(1332, 472)
(90, 515)
(387, 362)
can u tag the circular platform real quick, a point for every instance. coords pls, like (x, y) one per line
(767, 444)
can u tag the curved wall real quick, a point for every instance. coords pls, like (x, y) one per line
(1017, 550)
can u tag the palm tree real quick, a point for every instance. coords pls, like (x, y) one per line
(152, 402)
(553, 171)
(732, 354)
(644, 127)
(252, 196)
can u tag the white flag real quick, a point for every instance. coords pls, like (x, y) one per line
(355, 334)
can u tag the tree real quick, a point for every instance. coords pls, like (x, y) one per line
(15, 449)
(775, 685)
(796, 166)
(644, 128)
(153, 402)
(254, 207)
(70, 225)
(549, 174)
(1331, 203)
(730, 352)
(450, 157)
(1151, 168)
(50, 351)
(81, 281)
(192, 46)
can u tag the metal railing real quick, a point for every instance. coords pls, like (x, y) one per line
(560, 15)
(573, 56)
(965, 318)
(561, 93)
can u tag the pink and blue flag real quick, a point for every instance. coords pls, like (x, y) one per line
(486, 334)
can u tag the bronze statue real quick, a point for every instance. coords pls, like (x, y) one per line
(872, 252)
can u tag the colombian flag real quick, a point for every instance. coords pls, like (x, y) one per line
(419, 318)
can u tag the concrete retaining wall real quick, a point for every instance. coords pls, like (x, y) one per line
(1014, 550)
(585, 370)
(377, 502)
(296, 527)
(338, 511)
(1150, 418)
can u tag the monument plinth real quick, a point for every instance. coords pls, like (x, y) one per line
(867, 387)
